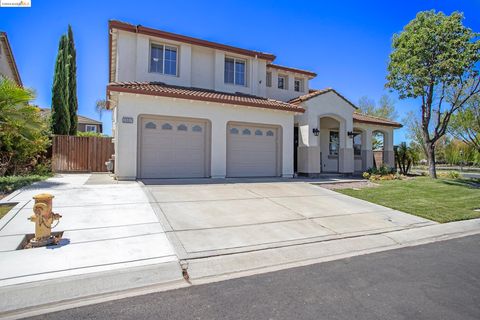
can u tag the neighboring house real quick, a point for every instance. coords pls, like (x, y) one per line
(89, 125)
(185, 107)
(84, 124)
(8, 67)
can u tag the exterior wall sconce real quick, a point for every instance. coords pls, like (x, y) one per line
(350, 134)
(316, 132)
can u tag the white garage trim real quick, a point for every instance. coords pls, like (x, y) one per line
(178, 162)
(254, 150)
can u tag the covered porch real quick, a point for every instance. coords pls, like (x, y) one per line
(332, 137)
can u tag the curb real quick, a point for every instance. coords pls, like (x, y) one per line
(23, 298)
(225, 267)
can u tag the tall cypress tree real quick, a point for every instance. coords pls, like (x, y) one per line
(72, 82)
(60, 114)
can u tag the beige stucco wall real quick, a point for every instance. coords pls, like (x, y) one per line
(130, 105)
(367, 154)
(198, 66)
(289, 93)
(332, 106)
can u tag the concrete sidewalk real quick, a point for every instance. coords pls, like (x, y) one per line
(107, 228)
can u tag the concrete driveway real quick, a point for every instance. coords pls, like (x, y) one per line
(204, 219)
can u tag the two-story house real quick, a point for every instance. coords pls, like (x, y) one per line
(185, 107)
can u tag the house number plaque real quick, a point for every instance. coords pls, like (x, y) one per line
(127, 119)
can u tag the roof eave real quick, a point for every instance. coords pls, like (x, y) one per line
(12, 58)
(114, 24)
(113, 88)
(395, 125)
(310, 74)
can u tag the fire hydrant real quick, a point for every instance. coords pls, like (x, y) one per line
(43, 218)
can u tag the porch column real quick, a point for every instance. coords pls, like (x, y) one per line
(308, 153)
(388, 153)
(346, 158)
(367, 153)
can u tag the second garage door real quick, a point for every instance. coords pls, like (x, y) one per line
(173, 148)
(252, 150)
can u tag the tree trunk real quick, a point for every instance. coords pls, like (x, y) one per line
(431, 160)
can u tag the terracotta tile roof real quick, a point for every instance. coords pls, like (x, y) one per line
(357, 117)
(164, 90)
(315, 93)
(363, 118)
(305, 72)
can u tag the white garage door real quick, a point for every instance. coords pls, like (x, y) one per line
(173, 148)
(252, 151)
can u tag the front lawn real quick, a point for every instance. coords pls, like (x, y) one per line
(4, 208)
(441, 200)
(12, 183)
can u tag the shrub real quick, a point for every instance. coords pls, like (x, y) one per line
(90, 134)
(12, 183)
(405, 157)
(449, 175)
(24, 136)
(366, 175)
(382, 170)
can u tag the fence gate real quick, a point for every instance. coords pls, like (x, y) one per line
(80, 154)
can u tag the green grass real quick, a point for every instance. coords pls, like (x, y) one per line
(441, 200)
(12, 183)
(4, 208)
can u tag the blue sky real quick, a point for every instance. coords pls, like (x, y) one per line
(346, 42)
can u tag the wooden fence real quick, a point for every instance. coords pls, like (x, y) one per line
(81, 154)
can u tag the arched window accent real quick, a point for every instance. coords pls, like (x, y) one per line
(246, 132)
(234, 131)
(258, 132)
(150, 125)
(167, 126)
(182, 127)
(269, 133)
(197, 128)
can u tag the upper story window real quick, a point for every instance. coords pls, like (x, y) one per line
(269, 79)
(235, 71)
(163, 59)
(282, 82)
(298, 85)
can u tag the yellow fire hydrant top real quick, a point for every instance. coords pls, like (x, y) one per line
(43, 196)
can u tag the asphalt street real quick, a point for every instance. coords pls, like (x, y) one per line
(434, 281)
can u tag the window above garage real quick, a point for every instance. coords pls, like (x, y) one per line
(164, 59)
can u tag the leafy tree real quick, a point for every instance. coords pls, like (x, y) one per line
(465, 124)
(23, 132)
(60, 112)
(72, 82)
(100, 107)
(386, 109)
(434, 60)
(414, 133)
